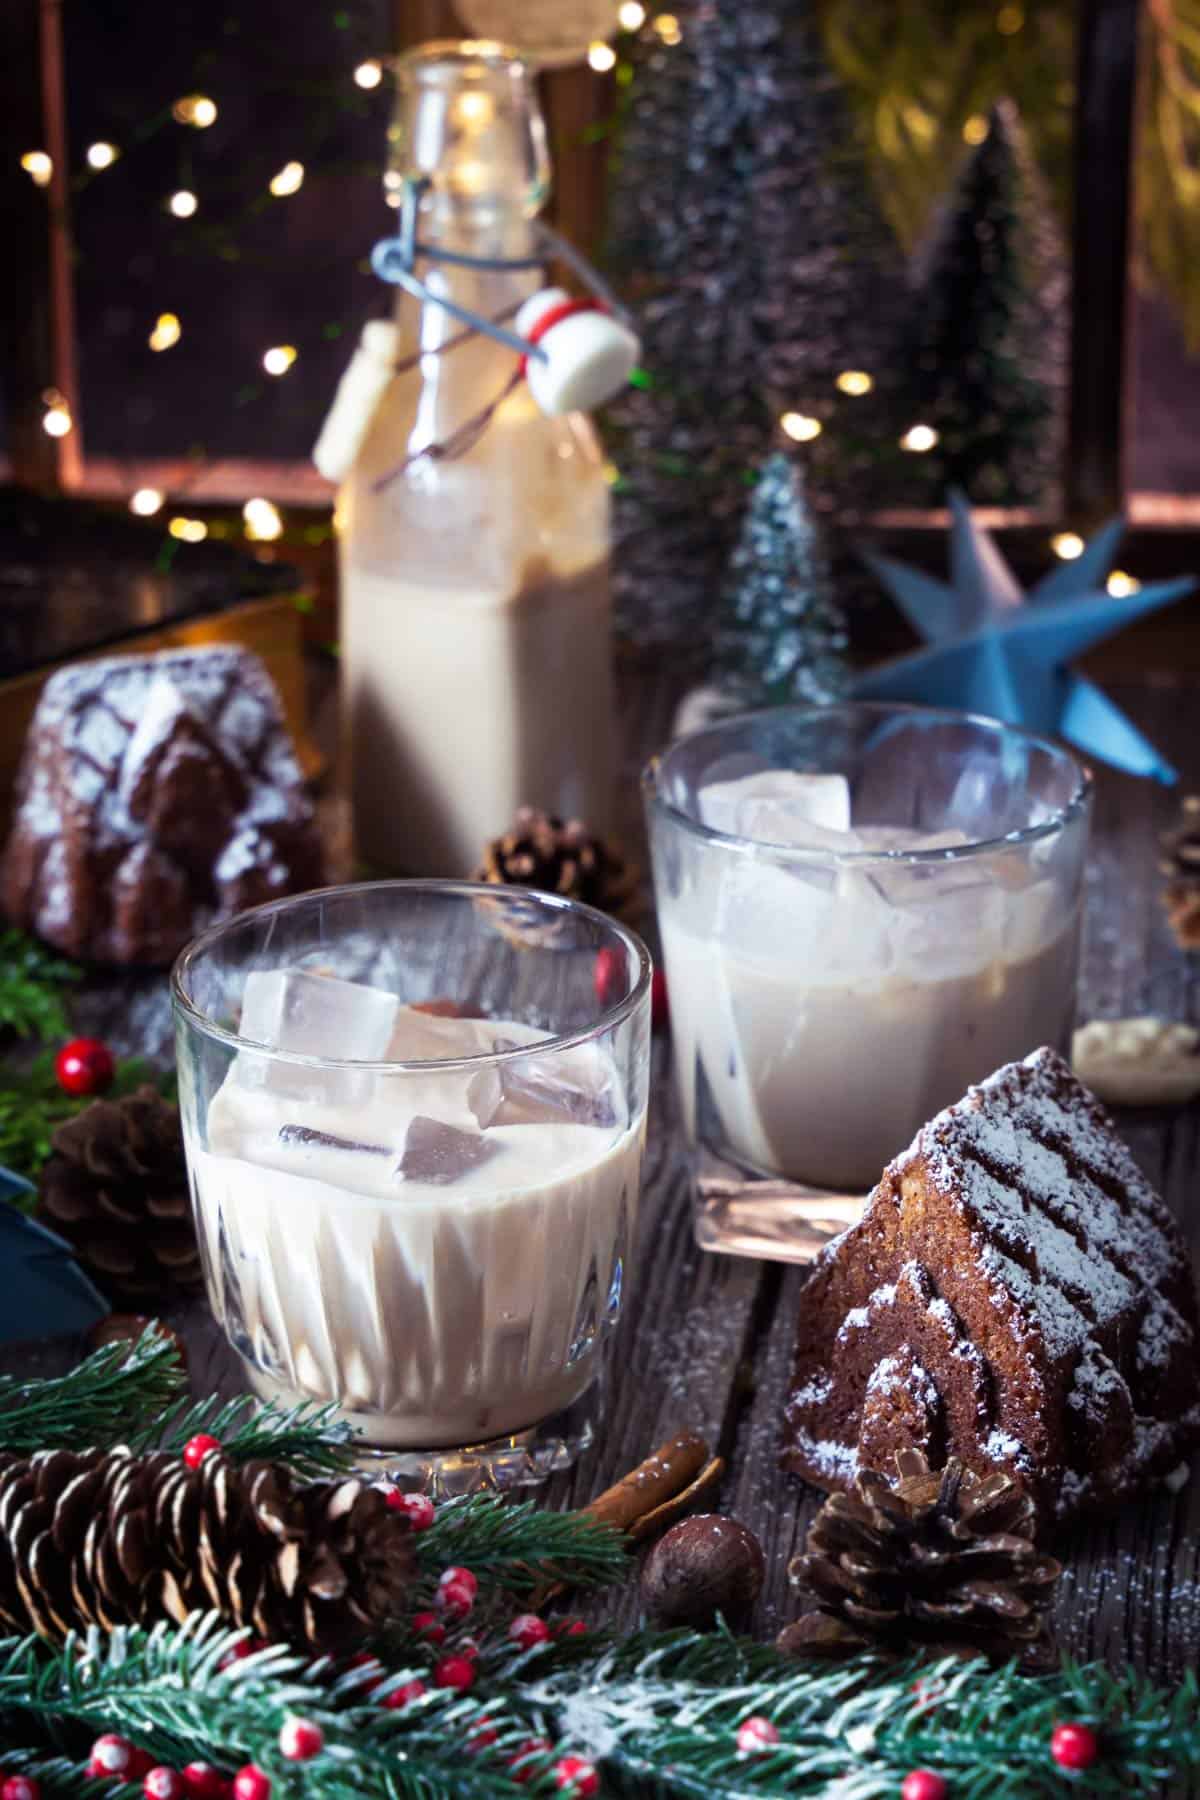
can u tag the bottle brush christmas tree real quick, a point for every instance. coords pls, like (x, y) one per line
(782, 635)
(988, 360)
(745, 232)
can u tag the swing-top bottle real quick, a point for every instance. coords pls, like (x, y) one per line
(474, 530)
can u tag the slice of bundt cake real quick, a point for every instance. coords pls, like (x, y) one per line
(1016, 1295)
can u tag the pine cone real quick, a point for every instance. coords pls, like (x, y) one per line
(116, 1188)
(540, 851)
(109, 1538)
(944, 1561)
(1182, 864)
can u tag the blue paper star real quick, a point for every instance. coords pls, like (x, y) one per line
(993, 649)
(46, 1293)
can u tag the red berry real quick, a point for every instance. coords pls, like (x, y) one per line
(575, 1775)
(658, 999)
(111, 1755)
(21, 1787)
(197, 1448)
(428, 1625)
(483, 1736)
(454, 1672)
(417, 1508)
(608, 975)
(756, 1734)
(923, 1784)
(85, 1066)
(202, 1782)
(457, 1577)
(524, 1756)
(163, 1783)
(527, 1630)
(251, 1783)
(468, 1647)
(455, 1599)
(300, 1739)
(1074, 1746)
(403, 1696)
(140, 1764)
(570, 1628)
(241, 1650)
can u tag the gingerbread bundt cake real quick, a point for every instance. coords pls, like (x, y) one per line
(156, 793)
(1016, 1295)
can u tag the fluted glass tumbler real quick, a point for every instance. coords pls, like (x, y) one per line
(864, 909)
(414, 1114)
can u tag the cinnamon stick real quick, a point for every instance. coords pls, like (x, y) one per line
(671, 1469)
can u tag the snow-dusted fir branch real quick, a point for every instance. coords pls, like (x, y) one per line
(111, 1397)
(523, 1547)
(310, 1438)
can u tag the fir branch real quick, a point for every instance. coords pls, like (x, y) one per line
(658, 1712)
(108, 1398)
(32, 1104)
(520, 1548)
(31, 979)
(310, 1438)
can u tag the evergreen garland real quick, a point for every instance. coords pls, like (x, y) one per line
(657, 1713)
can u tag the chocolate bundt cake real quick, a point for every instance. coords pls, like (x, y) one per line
(1016, 1295)
(156, 793)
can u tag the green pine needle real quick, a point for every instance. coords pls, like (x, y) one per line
(32, 1104)
(310, 1439)
(31, 980)
(521, 1548)
(658, 1712)
(107, 1399)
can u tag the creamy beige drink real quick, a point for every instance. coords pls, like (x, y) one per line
(439, 1252)
(821, 1013)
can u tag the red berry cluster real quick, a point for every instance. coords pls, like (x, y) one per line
(19, 1787)
(1072, 1746)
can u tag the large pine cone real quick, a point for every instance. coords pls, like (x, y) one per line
(540, 851)
(110, 1538)
(945, 1561)
(116, 1188)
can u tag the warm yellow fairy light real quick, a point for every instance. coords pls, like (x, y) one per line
(102, 156)
(667, 27)
(1067, 545)
(601, 57)
(368, 74)
(145, 502)
(197, 110)
(975, 129)
(56, 420)
(183, 204)
(262, 520)
(855, 381)
(801, 426)
(1009, 20)
(478, 107)
(631, 16)
(289, 180)
(191, 531)
(1120, 584)
(167, 331)
(279, 358)
(38, 166)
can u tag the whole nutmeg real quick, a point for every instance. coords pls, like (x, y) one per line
(702, 1567)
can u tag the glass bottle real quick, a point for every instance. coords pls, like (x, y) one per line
(476, 624)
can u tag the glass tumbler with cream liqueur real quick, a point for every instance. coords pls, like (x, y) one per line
(476, 620)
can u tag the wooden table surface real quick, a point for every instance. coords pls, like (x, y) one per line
(705, 1341)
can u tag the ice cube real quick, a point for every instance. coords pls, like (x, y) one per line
(420, 1036)
(317, 1015)
(306, 1137)
(1035, 917)
(439, 1154)
(953, 931)
(777, 801)
(570, 1088)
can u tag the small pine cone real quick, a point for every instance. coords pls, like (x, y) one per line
(540, 851)
(1181, 863)
(936, 1560)
(116, 1188)
(109, 1538)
